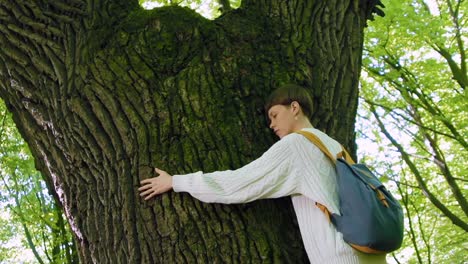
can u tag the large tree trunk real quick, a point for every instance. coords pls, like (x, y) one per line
(104, 91)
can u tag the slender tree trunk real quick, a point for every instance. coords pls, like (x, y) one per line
(104, 91)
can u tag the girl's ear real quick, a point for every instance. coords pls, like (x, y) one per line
(295, 106)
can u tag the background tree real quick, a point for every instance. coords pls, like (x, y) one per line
(103, 91)
(24, 200)
(414, 89)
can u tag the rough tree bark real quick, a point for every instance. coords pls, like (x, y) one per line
(104, 91)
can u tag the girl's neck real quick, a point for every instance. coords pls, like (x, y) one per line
(303, 123)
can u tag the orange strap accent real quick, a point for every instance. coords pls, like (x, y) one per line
(382, 198)
(324, 209)
(380, 195)
(345, 155)
(366, 249)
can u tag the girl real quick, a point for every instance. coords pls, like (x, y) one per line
(293, 166)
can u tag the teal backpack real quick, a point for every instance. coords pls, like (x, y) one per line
(370, 219)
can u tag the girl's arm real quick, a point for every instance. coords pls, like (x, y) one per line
(270, 176)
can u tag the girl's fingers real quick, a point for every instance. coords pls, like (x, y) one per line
(158, 171)
(144, 187)
(151, 195)
(146, 192)
(146, 181)
(149, 186)
(150, 191)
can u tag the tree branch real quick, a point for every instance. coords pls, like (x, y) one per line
(407, 119)
(405, 200)
(439, 205)
(431, 107)
(439, 161)
(454, 13)
(225, 6)
(427, 102)
(2, 128)
(458, 73)
(19, 213)
(421, 230)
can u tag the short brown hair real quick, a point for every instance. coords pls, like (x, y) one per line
(288, 93)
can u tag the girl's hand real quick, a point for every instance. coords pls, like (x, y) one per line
(157, 185)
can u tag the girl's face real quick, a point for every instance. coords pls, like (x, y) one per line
(282, 119)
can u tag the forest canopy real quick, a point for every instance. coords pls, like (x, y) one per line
(412, 127)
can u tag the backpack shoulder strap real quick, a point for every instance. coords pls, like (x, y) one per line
(345, 155)
(317, 142)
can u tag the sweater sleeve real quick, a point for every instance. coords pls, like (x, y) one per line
(270, 176)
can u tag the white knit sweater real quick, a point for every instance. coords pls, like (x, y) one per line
(295, 167)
